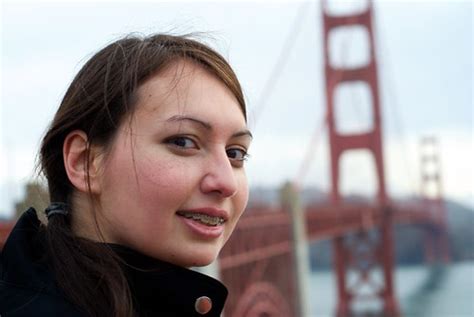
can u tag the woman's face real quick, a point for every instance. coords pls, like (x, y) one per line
(173, 184)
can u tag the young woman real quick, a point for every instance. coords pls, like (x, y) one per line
(145, 168)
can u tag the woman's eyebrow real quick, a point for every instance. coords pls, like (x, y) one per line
(179, 118)
(206, 125)
(243, 133)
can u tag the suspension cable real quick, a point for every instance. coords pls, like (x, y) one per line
(281, 62)
(392, 98)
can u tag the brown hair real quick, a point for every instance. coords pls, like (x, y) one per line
(97, 101)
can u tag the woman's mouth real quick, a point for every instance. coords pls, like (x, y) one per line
(207, 223)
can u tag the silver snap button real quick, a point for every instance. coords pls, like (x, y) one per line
(203, 305)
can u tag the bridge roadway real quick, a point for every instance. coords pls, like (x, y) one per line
(264, 231)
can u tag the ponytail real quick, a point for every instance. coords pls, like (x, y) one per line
(88, 272)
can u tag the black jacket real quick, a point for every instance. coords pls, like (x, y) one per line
(27, 286)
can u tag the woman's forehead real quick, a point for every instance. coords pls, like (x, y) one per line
(182, 87)
(178, 74)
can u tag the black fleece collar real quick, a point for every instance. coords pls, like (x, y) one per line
(164, 287)
(157, 287)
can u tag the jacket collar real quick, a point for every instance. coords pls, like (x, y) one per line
(156, 286)
(174, 288)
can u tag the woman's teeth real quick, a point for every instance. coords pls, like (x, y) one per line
(205, 219)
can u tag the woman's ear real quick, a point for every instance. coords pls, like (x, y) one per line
(75, 150)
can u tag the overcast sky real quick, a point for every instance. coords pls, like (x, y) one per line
(424, 51)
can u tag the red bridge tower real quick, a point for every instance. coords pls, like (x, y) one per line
(363, 260)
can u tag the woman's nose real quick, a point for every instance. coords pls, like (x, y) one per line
(219, 176)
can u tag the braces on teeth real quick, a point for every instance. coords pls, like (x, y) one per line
(206, 219)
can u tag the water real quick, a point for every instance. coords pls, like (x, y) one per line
(422, 291)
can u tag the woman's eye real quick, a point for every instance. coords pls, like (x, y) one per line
(237, 154)
(182, 142)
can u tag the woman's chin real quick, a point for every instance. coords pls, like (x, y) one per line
(204, 262)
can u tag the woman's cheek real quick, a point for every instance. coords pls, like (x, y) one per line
(164, 179)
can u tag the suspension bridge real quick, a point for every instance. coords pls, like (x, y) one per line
(265, 264)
